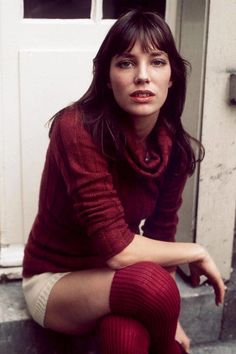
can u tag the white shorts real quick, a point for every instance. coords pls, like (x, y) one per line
(36, 290)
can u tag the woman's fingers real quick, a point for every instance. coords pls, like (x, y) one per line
(216, 281)
(182, 337)
(208, 268)
(219, 289)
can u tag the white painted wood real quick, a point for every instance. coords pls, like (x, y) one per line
(38, 59)
(10, 273)
(11, 255)
(11, 262)
(2, 196)
(96, 10)
(64, 76)
(11, 204)
(217, 192)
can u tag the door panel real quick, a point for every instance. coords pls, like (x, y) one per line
(45, 64)
(42, 93)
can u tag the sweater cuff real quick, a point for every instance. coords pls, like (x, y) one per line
(109, 245)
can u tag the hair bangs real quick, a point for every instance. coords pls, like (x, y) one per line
(150, 37)
(125, 41)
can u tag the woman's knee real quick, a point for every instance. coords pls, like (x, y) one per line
(152, 286)
(153, 280)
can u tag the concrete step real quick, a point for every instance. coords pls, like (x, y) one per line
(200, 317)
(203, 321)
(219, 347)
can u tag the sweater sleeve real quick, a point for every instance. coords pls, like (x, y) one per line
(89, 184)
(162, 224)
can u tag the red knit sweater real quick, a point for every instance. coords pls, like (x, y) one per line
(90, 208)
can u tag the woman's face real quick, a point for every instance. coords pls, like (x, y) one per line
(140, 81)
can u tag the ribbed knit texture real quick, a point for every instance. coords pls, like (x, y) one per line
(146, 292)
(90, 207)
(122, 335)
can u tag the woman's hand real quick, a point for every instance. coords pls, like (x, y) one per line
(207, 267)
(182, 337)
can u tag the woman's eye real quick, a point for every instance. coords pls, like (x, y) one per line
(125, 64)
(159, 62)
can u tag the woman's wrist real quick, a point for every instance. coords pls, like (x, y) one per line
(200, 253)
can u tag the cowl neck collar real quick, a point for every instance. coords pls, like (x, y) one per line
(150, 158)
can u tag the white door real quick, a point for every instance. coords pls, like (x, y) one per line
(45, 65)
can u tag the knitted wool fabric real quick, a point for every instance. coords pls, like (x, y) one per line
(122, 335)
(90, 207)
(146, 292)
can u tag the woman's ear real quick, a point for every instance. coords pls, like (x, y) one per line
(170, 83)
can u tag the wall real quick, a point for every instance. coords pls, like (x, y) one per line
(217, 187)
(193, 19)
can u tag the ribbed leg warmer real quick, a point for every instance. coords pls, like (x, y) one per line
(147, 293)
(122, 335)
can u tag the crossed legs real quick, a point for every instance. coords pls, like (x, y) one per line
(141, 301)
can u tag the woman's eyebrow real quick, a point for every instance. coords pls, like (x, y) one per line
(158, 53)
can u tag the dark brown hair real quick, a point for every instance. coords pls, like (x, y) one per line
(101, 113)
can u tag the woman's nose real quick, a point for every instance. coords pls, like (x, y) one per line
(142, 75)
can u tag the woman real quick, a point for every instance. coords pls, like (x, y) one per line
(116, 157)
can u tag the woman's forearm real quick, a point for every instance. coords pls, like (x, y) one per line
(161, 252)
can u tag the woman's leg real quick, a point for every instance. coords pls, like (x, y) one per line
(146, 292)
(122, 335)
(143, 291)
(78, 300)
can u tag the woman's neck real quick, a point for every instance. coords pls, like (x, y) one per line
(142, 126)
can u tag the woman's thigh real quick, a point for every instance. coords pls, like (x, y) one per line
(78, 300)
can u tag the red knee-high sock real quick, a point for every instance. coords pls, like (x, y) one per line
(122, 335)
(147, 292)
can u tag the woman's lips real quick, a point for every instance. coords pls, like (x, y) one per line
(142, 96)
